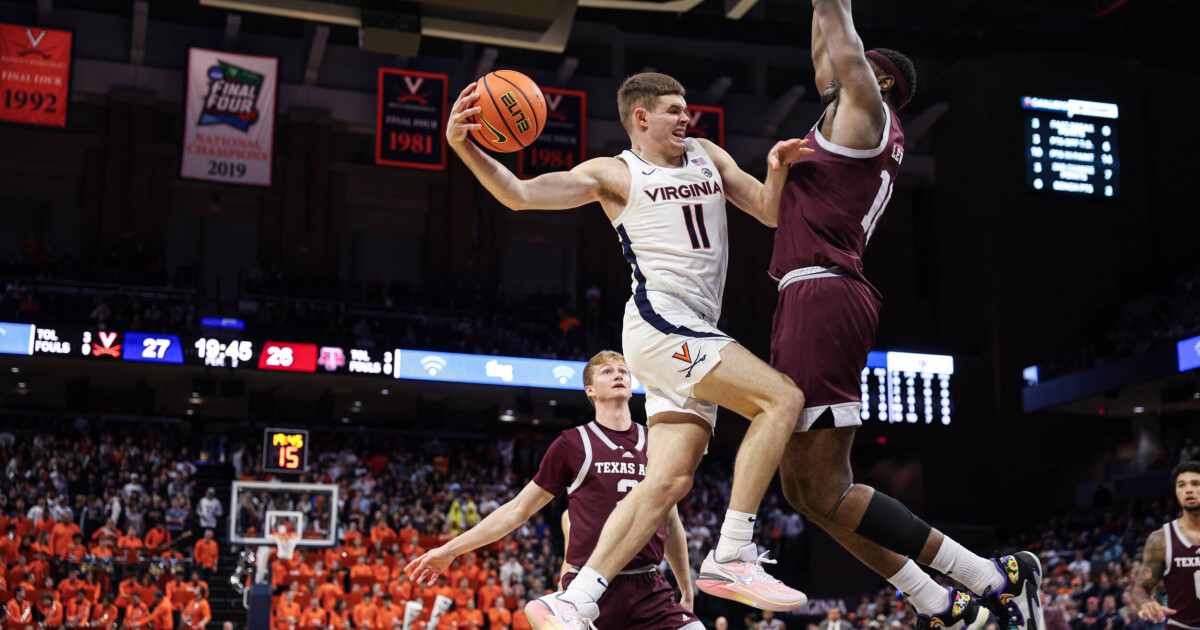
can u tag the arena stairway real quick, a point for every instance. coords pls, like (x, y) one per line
(224, 600)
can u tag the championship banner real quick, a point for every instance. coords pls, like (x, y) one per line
(35, 75)
(564, 140)
(229, 125)
(409, 119)
(707, 122)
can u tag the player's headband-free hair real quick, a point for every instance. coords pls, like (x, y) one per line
(890, 68)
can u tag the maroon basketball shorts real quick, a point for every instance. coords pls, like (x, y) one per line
(641, 601)
(823, 330)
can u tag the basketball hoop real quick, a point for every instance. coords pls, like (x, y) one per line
(285, 543)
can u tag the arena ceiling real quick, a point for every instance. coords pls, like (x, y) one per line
(942, 30)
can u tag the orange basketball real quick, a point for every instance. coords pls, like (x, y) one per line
(512, 111)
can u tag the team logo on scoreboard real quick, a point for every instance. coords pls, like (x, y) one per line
(232, 97)
(331, 358)
(107, 345)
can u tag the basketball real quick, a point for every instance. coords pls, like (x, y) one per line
(512, 111)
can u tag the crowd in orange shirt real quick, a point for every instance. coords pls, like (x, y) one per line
(60, 560)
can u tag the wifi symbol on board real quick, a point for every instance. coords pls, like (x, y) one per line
(563, 374)
(433, 364)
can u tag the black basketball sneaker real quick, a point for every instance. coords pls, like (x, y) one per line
(964, 613)
(1017, 604)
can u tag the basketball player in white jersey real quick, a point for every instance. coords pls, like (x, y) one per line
(666, 198)
(1172, 557)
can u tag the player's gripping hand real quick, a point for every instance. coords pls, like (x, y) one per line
(431, 564)
(457, 127)
(787, 151)
(1154, 611)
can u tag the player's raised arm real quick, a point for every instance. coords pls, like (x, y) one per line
(498, 524)
(822, 69)
(583, 184)
(860, 118)
(1154, 564)
(746, 192)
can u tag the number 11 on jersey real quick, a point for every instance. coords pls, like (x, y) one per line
(697, 227)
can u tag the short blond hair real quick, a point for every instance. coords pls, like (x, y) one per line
(602, 357)
(642, 90)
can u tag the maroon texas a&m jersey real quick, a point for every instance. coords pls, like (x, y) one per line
(597, 467)
(1182, 578)
(833, 200)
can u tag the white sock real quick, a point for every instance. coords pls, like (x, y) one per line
(586, 588)
(921, 591)
(736, 532)
(977, 574)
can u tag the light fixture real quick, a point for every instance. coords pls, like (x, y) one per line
(384, 392)
(20, 385)
(358, 403)
(553, 403)
(508, 416)
(1139, 409)
(16, 370)
(191, 412)
(536, 421)
(195, 394)
(345, 420)
(195, 401)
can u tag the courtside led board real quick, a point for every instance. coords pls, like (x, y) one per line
(285, 450)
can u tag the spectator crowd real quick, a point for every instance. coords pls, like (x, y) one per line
(92, 517)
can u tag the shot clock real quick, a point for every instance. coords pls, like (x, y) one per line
(285, 450)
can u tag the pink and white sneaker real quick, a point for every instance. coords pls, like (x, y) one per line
(746, 582)
(551, 612)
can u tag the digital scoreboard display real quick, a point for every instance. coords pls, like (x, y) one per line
(1071, 147)
(904, 387)
(285, 450)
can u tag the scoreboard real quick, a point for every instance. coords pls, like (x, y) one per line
(896, 387)
(1071, 147)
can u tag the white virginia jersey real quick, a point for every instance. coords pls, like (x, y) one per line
(674, 232)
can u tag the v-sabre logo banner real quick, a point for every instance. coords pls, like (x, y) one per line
(229, 126)
(35, 75)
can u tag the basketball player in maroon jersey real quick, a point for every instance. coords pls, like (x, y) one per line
(825, 324)
(1172, 556)
(596, 464)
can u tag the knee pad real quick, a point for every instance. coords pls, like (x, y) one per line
(889, 524)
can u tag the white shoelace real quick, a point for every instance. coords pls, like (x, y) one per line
(759, 572)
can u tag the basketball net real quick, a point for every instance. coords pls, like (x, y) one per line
(285, 543)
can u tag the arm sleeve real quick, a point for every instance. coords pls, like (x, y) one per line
(555, 472)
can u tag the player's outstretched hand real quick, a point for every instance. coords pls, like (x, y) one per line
(1154, 611)
(430, 564)
(458, 126)
(787, 151)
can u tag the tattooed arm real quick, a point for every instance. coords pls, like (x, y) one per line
(1154, 564)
